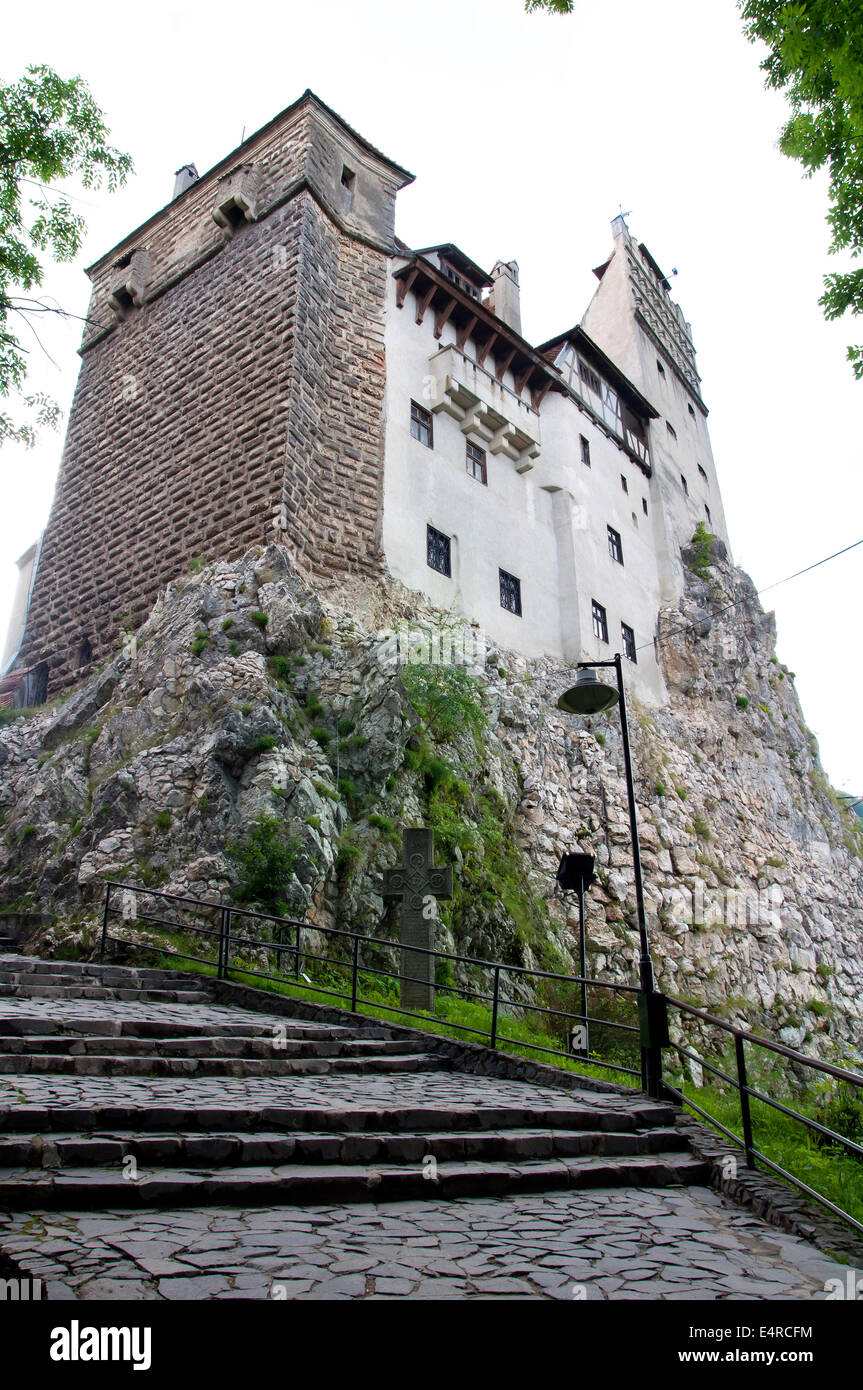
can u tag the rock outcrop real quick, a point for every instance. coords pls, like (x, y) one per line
(247, 701)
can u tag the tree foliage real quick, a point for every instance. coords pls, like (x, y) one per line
(553, 6)
(50, 130)
(816, 59)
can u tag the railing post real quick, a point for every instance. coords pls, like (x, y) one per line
(653, 1025)
(105, 912)
(354, 977)
(745, 1113)
(494, 1004)
(224, 942)
(297, 955)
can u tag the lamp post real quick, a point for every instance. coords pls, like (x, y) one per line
(590, 696)
(575, 874)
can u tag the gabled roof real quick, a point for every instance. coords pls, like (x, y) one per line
(458, 260)
(594, 354)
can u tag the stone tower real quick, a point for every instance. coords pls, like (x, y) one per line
(231, 385)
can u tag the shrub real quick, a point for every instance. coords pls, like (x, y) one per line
(320, 735)
(163, 820)
(227, 623)
(323, 789)
(196, 564)
(265, 860)
(265, 743)
(742, 701)
(702, 546)
(281, 668)
(702, 828)
(447, 698)
(199, 643)
(660, 789)
(258, 618)
(346, 726)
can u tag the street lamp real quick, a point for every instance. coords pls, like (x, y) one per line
(575, 874)
(590, 696)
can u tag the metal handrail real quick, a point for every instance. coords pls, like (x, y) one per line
(497, 999)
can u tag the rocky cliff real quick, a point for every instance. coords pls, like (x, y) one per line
(249, 713)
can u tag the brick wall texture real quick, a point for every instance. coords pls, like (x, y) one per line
(251, 375)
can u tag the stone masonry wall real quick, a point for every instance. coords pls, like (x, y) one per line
(255, 379)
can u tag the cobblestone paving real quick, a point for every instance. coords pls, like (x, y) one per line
(631, 1244)
(447, 1090)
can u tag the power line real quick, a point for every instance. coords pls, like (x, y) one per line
(681, 627)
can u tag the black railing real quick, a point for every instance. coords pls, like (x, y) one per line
(363, 958)
(499, 987)
(739, 1082)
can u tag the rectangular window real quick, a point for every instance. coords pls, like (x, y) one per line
(644, 505)
(684, 484)
(623, 483)
(585, 450)
(628, 637)
(600, 621)
(421, 424)
(510, 593)
(475, 462)
(438, 551)
(615, 545)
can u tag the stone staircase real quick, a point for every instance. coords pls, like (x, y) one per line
(123, 1087)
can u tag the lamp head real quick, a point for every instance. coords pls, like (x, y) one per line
(588, 695)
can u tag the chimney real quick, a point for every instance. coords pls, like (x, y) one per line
(183, 179)
(505, 298)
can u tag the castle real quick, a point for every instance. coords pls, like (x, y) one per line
(264, 359)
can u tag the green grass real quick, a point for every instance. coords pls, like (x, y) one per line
(829, 1170)
(518, 1033)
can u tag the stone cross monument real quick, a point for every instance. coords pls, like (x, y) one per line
(419, 883)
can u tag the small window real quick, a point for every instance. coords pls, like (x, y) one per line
(438, 551)
(703, 474)
(644, 505)
(628, 638)
(615, 545)
(85, 653)
(671, 430)
(660, 368)
(585, 450)
(349, 180)
(707, 512)
(623, 483)
(475, 463)
(600, 621)
(689, 408)
(510, 593)
(421, 424)
(684, 484)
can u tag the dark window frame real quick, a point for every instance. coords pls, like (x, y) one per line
(615, 545)
(422, 420)
(627, 637)
(600, 621)
(510, 592)
(585, 450)
(438, 546)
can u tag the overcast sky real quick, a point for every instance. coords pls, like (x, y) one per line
(527, 134)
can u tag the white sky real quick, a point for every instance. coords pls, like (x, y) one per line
(526, 134)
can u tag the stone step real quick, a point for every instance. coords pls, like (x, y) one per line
(101, 1065)
(204, 1045)
(17, 1024)
(8, 947)
(78, 1188)
(120, 993)
(57, 1151)
(157, 1116)
(93, 970)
